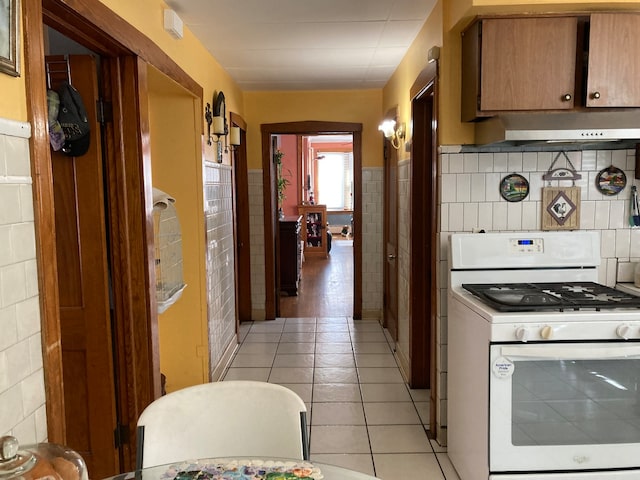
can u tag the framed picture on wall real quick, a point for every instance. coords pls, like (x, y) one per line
(9, 37)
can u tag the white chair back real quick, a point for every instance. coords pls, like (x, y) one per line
(223, 419)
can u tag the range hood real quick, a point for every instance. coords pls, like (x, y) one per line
(564, 127)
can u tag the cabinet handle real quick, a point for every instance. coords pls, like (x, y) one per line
(391, 256)
(567, 97)
(595, 95)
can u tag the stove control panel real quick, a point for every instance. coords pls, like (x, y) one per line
(537, 332)
(526, 245)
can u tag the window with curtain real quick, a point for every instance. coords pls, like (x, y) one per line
(335, 180)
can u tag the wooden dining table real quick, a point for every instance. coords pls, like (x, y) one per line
(244, 468)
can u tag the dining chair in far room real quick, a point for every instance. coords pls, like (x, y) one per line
(239, 418)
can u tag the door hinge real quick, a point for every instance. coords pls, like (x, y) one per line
(121, 435)
(104, 111)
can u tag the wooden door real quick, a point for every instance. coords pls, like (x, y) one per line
(391, 239)
(614, 66)
(243, 238)
(528, 63)
(83, 283)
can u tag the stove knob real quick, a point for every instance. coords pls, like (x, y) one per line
(623, 331)
(522, 334)
(546, 332)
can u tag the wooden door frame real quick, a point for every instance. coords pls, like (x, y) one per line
(125, 53)
(389, 154)
(424, 235)
(240, 185)
(308, 127)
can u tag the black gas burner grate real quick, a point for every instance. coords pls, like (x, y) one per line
(520, 297)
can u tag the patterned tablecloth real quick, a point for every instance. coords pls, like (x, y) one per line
(242, 469)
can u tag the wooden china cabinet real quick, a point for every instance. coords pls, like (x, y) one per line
(314, 230)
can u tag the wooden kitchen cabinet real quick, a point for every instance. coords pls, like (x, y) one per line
(314, 229)
(512, 64)
(290, 254)
(613, 77)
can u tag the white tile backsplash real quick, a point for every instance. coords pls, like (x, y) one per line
(470, 196)
(22, 397)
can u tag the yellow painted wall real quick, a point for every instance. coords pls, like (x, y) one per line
(13, 94)
(188, 53)
(176, 170)
(397, 91)
(359, 106)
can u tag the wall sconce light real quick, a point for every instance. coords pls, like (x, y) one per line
(234, 138)
(218, 120)
(391, 133)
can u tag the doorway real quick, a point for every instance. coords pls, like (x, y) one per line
(424, 236)
(272, 304)
(124, 53)
(315, 178)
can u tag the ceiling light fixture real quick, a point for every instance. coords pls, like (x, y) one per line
(391, 133)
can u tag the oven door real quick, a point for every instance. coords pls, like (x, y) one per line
(564, 406)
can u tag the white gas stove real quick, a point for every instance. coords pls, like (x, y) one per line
(543, 362)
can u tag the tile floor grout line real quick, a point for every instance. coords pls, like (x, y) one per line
(366, 424)
(354, 334)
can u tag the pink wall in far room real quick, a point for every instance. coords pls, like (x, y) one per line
(289, 146)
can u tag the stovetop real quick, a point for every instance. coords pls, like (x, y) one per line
(527, 297)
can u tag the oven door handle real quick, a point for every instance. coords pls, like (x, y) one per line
(570, 352)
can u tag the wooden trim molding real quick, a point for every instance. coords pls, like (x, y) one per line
(424, 236)
(96, 26)
(44, 218)
(242, 236)
(426, 77)
(236, 120)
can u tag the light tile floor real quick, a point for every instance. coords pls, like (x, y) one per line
(361, 414)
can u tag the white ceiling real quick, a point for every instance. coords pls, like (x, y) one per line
(306, 44)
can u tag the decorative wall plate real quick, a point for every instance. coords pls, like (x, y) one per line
(514, 188)
(611, 181)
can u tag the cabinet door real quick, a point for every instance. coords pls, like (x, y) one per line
(528, 63)
(614, 65)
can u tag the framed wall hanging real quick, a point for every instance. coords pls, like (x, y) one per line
(561, 208)
(9, 37)
(561, 205)
(514, 188)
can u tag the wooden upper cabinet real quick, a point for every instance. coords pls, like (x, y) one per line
(613, 77)
(520, 64)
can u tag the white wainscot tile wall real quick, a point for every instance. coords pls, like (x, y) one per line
(22, 394)
(220, 260)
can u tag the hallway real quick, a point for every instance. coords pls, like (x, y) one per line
(361, 413)
(326, 285)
